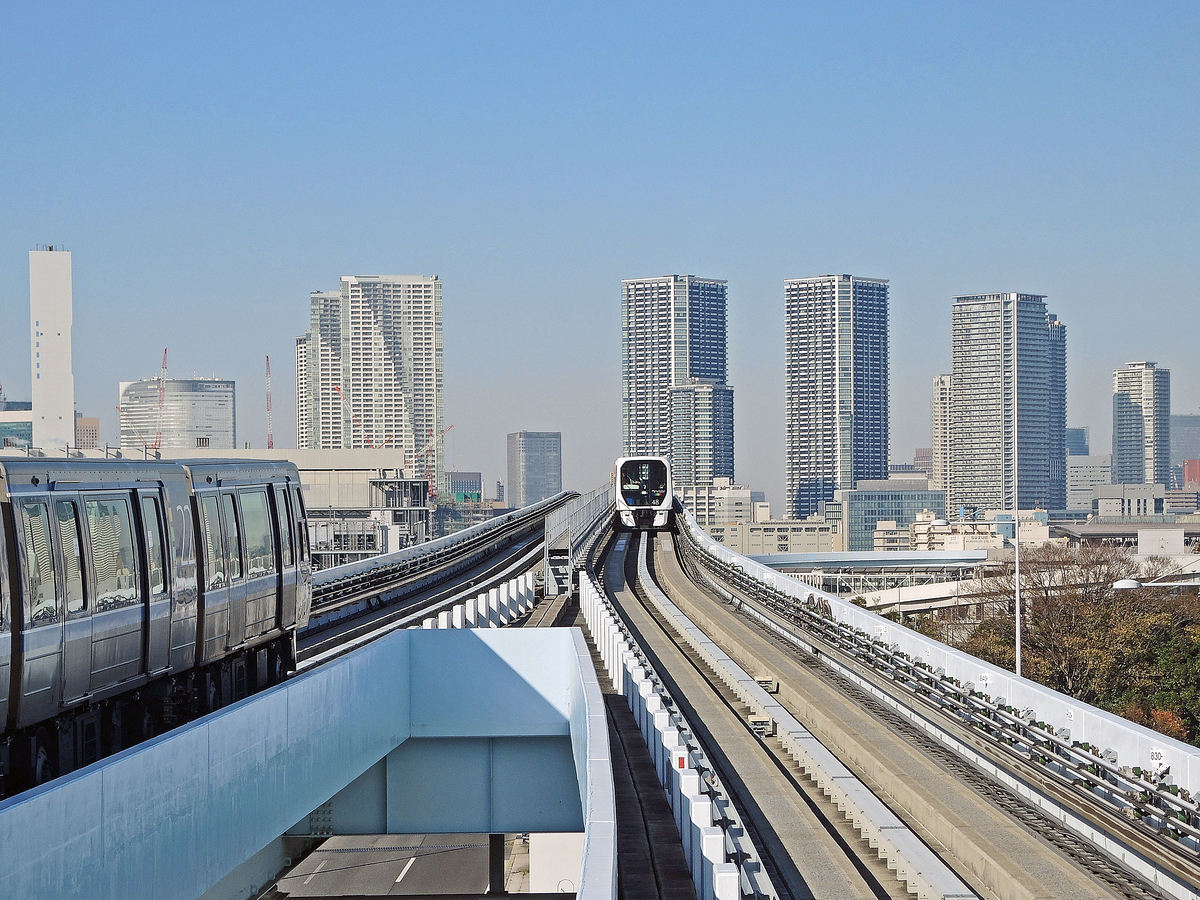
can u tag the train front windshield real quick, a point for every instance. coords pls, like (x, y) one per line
(644, 482)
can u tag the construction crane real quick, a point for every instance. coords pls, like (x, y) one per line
(141, 437)
(429, 449)
(270, 424)
(162, 401)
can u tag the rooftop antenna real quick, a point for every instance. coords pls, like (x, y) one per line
(270, 425)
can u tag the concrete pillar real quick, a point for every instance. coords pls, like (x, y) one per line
(662, 722)
(688, 786)
(443, 619)
(726, 882)
(506, 609)
(458, 616)
(429, 623)
(494, 608)
(469, 613)
(700, 810)
(712, 854)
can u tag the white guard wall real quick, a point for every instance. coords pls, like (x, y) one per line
(173, 816)
(51, 374)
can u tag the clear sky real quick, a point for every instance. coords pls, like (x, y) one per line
(210, 166)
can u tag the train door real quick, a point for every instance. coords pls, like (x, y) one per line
(262, 567)
(238, 592)
(303, 558)
(119, 608)
(77, 628)
(42, 630)
(5, 625)
(158, 631)
(214, 582)
(288, 573)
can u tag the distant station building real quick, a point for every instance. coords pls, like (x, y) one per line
(194, 414)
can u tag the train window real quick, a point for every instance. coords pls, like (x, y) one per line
(113, 556)
(154, 545)
(233, 536)
(72, 551)
(214, 559)
(260, 542)
(302, 548)
(43, 601)
(285, 529)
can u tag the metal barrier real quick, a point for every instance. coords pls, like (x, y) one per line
(709, 825)
(1142, 779)
(570, 530)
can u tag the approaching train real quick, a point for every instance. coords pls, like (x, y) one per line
(136, 595)
(644, 493)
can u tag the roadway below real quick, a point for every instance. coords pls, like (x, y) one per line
(995, 852)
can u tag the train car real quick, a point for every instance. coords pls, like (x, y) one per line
(644, 493)
(137, 594)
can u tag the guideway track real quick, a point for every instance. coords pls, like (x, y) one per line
(955, 807)
(805, 853)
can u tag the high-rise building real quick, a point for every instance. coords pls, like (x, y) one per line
(1008, 404)
(836, 329)
(940, 433)
(1079, 441)
(673, 375)
(534, 466)
(701, 432)
(369, 369)
(1185, 438)
(50, 316)
(465, 487)
(1083, 474)
(923, 461)
(87, 432)
(195, 414)
(1141, 435)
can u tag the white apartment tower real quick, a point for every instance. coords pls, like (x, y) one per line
(1141, 441)
(940, 432)
(50, 348)
(836, 330)
(675, 399)
(369, 369)
(1008, 404)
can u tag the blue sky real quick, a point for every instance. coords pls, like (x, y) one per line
(209, 166)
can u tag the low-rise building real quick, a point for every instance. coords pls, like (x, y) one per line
(890, 537)
(854, 513)
(812, 535)
(1127, 501)
(993, 532)
(16, 423)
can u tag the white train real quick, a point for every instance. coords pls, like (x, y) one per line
(644, 493)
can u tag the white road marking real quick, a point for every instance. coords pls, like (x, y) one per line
(404, 871)
(319, 867)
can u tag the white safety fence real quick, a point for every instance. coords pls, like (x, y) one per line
(709, 825)
(493, 608)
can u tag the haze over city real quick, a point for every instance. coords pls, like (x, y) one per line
(209, 168)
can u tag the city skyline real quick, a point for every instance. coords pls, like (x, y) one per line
(505, 144)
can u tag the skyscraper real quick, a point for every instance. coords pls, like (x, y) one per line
(369, 369)
(940, 432)
(50, 316)
(836, 329)
(195, 414)
(1008, 404)
(1079, 441)
(534, 466)
(673, 360)
(1141, 449)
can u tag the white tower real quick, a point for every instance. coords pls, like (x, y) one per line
(50, 348)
